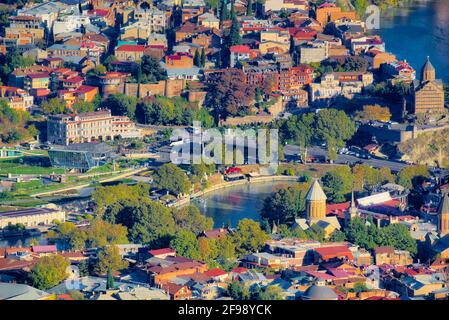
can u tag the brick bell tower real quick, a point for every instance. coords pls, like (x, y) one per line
(315, 203)
(443, 216)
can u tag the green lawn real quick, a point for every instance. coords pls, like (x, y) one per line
(28, 165)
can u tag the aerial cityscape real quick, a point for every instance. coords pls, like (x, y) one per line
(224, 150)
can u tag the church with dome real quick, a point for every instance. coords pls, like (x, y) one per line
(428, 92)
(316, 212)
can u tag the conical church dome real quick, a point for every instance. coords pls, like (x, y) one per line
(316, 193)
(428, 71)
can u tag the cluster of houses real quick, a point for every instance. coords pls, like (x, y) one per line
(68, 41)
(301, 269)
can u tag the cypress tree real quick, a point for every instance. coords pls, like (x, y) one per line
(110, 280)
(203, 57)
(224, 13)
(234, 33)
(196, 59)
(249, 9)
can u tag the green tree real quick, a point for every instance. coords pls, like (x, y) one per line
(203, 57)
(362, 233)
(412, 176)
(338, 183)
(110, 280)
(49, 271)
(197, 59)
(334, 125)
(102, 233)
(190, 218)
(109, 259)
(248, 237)
(172, 178)
(249, 9)
(83, 106)
(284, 206)
(54, 106)
(238, 291)
(398, 236)
(337, 236)
(152, 70)
(147, 221)
(186, 244)
(271, 293)
(234, 32)
(224, 13)
(121, 105)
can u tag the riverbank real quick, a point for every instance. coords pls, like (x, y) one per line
(228, 184)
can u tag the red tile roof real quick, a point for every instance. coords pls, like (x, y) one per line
(239, 270)
(38, 75)
(162, 251)
(85, 89)
(75, 79)
(240, 49)
(44, 248)
(14, 264)
(328, 253)
(215, 272)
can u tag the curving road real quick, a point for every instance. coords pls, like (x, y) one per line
(291, 153)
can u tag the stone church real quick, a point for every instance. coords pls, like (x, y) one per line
(428, 93)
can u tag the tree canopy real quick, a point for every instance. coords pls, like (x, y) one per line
(284, 206)
(49, 271)
(172, 178)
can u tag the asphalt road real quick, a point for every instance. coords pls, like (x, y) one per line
(291, 153)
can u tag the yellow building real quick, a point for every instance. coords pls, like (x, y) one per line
(274, 40)
(31, 217)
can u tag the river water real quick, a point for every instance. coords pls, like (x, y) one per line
(417, 31)
(228, 206)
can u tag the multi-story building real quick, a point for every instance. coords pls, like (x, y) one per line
(17, 98)
(388, 255)
(129, 52)
(62, 50)
(31, 217)
(25, 25)
(179, 61)
(333, 85)
(70, 24)
(89, 126)
(314, 51)
(48, 12)
(399, 70)
(274, 41)
(328, 12)
(154, 17)
(278, 5)
(209, 20)
(37, 81)
(287, 81)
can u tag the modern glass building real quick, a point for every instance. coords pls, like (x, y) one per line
(80, 156)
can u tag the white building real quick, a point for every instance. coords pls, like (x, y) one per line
(70, 24)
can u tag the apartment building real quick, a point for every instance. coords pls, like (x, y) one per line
(89, 126)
